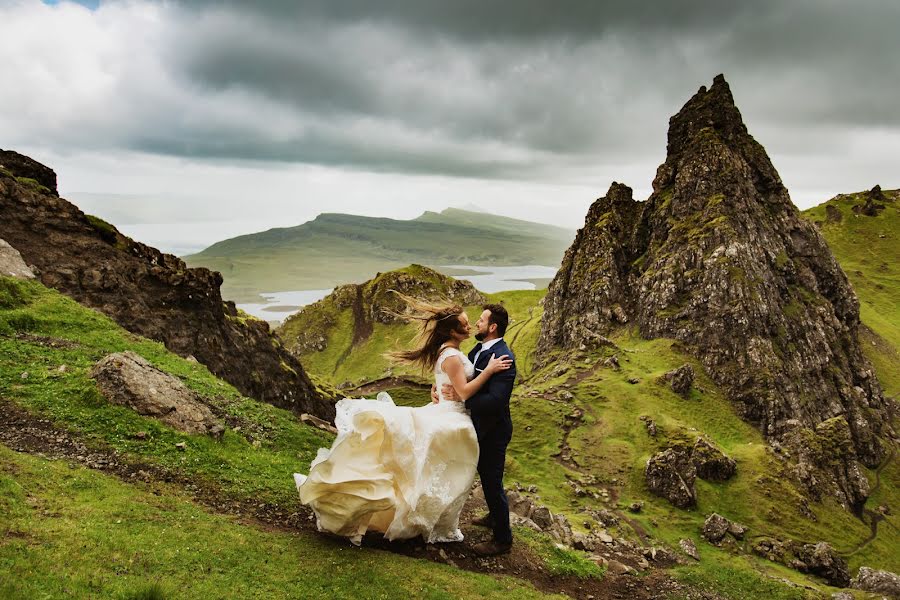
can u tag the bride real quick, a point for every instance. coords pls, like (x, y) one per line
(404, 471)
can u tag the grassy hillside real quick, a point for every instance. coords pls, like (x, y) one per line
(160, 529)
(72, 532)
(334, 249)
(347, 361)
(604, 451)
(868, 249)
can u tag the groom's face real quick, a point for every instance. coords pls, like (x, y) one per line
(483, 326)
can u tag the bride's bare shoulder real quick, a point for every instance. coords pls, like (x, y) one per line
(450, 366)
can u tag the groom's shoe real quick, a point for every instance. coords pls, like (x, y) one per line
(484, 521)
(491, 548)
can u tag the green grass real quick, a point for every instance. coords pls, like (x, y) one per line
(33, 184)
(559, 561)
(69, 532)
(611, 446)
(731, 577)
(127, 549)
(868, 250)
(255, 462)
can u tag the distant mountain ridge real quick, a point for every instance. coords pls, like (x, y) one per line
(335, 248)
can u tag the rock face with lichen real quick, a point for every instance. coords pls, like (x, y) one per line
(145, 291)
(719, 258)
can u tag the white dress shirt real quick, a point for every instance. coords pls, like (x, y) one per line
(485, 346)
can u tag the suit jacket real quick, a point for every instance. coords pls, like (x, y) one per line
(489, 406)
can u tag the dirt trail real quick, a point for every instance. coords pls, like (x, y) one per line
(23, 432)
(875, 517)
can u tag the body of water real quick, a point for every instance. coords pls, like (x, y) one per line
(488, 279)
(281, 305)
(502, 279)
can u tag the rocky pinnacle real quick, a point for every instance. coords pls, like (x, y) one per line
(719, 258)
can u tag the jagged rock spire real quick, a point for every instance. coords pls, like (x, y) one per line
(719, 258)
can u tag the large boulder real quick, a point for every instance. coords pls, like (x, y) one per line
(877, 582)
(671, 475)
(711, 463)
(715, 528)
(11, 263)
(128, 379)
(821, 559)
(680, 379)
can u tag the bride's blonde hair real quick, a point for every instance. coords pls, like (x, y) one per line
(438, 322)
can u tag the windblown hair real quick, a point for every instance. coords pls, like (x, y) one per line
(437, 322)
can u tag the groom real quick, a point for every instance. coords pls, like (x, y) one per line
(489, 408)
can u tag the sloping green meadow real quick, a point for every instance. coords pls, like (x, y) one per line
(71, 532)
(608, 446)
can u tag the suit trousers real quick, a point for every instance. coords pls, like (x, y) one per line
(491, 461)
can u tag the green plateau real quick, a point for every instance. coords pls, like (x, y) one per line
(334, 249)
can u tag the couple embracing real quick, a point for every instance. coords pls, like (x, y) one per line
(406, 472)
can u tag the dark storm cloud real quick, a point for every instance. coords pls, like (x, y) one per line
(523, 89)
(530, 19)
(555, 83)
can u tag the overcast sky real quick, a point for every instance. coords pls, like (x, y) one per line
(188, 122)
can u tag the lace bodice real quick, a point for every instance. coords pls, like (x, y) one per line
(441, 378)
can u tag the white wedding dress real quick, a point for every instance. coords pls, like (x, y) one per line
(398, 470)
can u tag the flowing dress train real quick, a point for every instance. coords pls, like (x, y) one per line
(402, 471)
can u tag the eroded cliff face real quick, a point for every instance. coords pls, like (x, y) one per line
(719, 258)
(147, 292)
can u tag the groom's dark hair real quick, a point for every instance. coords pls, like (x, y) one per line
(499, 317)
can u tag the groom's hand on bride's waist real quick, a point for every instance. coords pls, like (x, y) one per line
(450, 393)
(434, 395)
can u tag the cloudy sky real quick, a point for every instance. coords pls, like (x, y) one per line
(188, 122)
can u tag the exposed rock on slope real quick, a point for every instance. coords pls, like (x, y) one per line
(130, 380)
(147, 292)
(372, 302)
(11, 263)
(719, 258)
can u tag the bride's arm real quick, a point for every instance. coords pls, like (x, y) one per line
(465, 389)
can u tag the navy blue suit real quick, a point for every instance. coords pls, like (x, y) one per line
(489, 408)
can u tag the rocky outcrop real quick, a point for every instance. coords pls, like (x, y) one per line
(147, 292)
(716, 527)
(128, 379)
(28, 171)
(372, 302)
(818, 559)
(711, 463)
(821, 559)
(670, 474)
(819, 461)
(872, 203)
(11, 263)
(877, 582)
(719, 258)
(680, 379)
